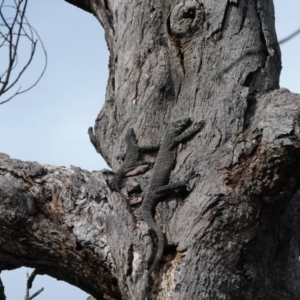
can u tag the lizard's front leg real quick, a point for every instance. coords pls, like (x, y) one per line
(163, 190)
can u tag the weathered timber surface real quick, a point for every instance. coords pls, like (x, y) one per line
(241, 228)
(236, 234)
(62, 222)
(171, 58)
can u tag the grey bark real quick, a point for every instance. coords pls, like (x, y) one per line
(235, 235)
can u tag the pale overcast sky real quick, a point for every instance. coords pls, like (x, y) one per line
(49, 123)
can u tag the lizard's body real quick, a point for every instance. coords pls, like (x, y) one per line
(131, 159)
(158, 185)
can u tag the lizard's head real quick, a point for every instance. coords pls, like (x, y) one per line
(130, 136)
(179, 125)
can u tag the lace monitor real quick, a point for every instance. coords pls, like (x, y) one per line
(131, 159)
(159, 180)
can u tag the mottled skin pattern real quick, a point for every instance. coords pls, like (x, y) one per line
(158, 186)
(131, 159)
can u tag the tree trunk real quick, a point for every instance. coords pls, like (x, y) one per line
(234, 236)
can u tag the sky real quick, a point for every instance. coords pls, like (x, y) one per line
(49, 123)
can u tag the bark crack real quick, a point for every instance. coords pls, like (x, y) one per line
(244, 15)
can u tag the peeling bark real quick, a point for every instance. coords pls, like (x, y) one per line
(234, 236)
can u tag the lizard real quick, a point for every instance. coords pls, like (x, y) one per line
(159, 180)
(131, 158)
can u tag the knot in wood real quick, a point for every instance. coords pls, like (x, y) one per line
(187, 17)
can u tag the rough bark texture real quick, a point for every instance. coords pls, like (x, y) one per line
(235, 235)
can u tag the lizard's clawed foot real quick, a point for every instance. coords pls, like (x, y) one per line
(199, 125)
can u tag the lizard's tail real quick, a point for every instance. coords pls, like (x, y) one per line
(147, 216)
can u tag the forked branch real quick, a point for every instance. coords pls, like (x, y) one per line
(30, 279)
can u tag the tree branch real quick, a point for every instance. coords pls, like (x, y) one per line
(83, 4)
(58, 220)
(102, 10)
(29, 286)
(14, 30)
(268, 151)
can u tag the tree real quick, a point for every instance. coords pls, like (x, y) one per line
(14, 29)
(234, 236)
(30, 279)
